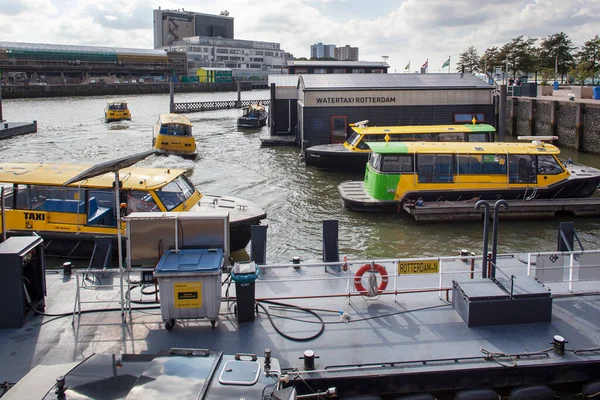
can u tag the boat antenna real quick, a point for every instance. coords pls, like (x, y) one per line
(538, 140)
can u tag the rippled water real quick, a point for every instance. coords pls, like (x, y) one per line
(296, 198)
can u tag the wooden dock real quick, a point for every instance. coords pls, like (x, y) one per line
(10, 129)
(517, 209)
(196, 106)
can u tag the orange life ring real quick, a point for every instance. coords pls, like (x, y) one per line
(367, 267)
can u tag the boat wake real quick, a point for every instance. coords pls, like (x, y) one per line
(170, 161)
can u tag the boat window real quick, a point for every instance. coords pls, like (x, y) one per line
(480, 137)
(50, 198)
(176, 130)
(484, 164)
(397, 163)
(354, 139)
(522, 168)
(548, 165)
(452, 137)
(435, 168)
(374, 161)
(139, 200)
(175, 192)
(339, 129)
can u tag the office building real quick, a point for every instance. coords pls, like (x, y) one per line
(174, 25)
(346, 53)
(320, 50)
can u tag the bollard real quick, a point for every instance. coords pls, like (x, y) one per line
(67, 267)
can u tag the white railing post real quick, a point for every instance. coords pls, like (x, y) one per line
(440, 277)
(571, 260)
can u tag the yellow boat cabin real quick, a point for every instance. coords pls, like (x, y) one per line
(116, 111)
(173, 135)
(353, 154)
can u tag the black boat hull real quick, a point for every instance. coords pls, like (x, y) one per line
(336, 157)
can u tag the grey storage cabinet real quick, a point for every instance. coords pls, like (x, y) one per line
(23, 283)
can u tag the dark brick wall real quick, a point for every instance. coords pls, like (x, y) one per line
(282, 116)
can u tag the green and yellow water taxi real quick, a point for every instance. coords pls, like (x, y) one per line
(116, 110)
(426, 171)
(353, 154)
(173, 135)
(68, 217)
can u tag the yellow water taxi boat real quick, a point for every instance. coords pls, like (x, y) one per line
(70, 217)
(116, 111)
(352, 155)
(425, 171)
(173, 135)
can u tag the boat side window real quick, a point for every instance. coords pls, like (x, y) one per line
(397, 163)
(425, 137)
(484, 164)
(8, 194)
(548, 165)
(139, 200)
(50, 198)
(435, 168)
(479, 137)
(175, 192)
(375, 160)
(452, 137)
(522, 168)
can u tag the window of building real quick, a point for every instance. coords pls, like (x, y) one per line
(358, 70)
(222, 58)
(254, 65)
(258, 59)
(269, 53)
(339, 70)
(301, 70)
(258, 52)
(222, 51)
(234, 51)
(377, 71)
(467, 118)
(320, 70)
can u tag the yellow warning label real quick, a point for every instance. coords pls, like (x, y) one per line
(418, 267)
(187, 294)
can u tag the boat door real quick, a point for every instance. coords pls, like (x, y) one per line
(339, 128)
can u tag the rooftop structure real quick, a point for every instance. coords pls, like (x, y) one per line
(336, 67)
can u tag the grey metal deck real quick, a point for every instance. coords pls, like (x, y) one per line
(397, 335)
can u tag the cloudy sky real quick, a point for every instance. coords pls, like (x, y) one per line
(405, 30)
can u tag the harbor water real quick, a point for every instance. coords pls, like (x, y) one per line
(295, 197)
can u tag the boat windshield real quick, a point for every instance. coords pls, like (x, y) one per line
(117, 106)
(176, 130)
(175, 192)
(354, 139)
(252, 112)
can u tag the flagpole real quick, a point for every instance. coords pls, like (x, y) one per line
(449, 62)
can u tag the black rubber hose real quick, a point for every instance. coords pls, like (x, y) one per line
(289, 337)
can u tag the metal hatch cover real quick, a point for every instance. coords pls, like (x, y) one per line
(240, 372)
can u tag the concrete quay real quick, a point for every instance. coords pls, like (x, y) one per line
(10, 129)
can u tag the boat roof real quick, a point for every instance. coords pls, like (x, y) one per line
(462, 147)
(133, 178)
(174, 119)
(409, 129)
(257, 106)
(117, 102)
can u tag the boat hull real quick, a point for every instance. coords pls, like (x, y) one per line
(243, 122)
(356, 198)
(336, 157)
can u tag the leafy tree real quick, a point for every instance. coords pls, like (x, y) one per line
(301, 59)
(520, 54)
(582, 72)
(546, 74)
(469, 59)
(590, 52)
(557, 48)
(489, 59)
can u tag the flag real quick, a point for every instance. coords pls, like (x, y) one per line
(447, 63)
(407, 66)
(424, 66)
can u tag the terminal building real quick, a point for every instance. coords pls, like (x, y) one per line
(56, 63)
(327, 104)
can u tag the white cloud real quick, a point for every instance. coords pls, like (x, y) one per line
(404, 30)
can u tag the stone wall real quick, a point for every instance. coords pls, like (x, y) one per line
(31, 91)
(577, 124)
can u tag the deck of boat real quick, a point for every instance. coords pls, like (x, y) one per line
(397, 336)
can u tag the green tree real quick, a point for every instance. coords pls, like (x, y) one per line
(556, 51)
(582, 72)
(520, 55)
(469, 59)
(590, 52)
(489, 60)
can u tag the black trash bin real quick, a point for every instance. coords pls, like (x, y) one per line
(244, 275)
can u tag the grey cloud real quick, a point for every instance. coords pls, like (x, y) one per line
(13, 8)
(115, 18)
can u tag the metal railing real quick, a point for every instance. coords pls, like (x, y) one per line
(215, 105)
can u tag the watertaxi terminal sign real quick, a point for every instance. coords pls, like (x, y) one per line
(357, 100)
(418, 267)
